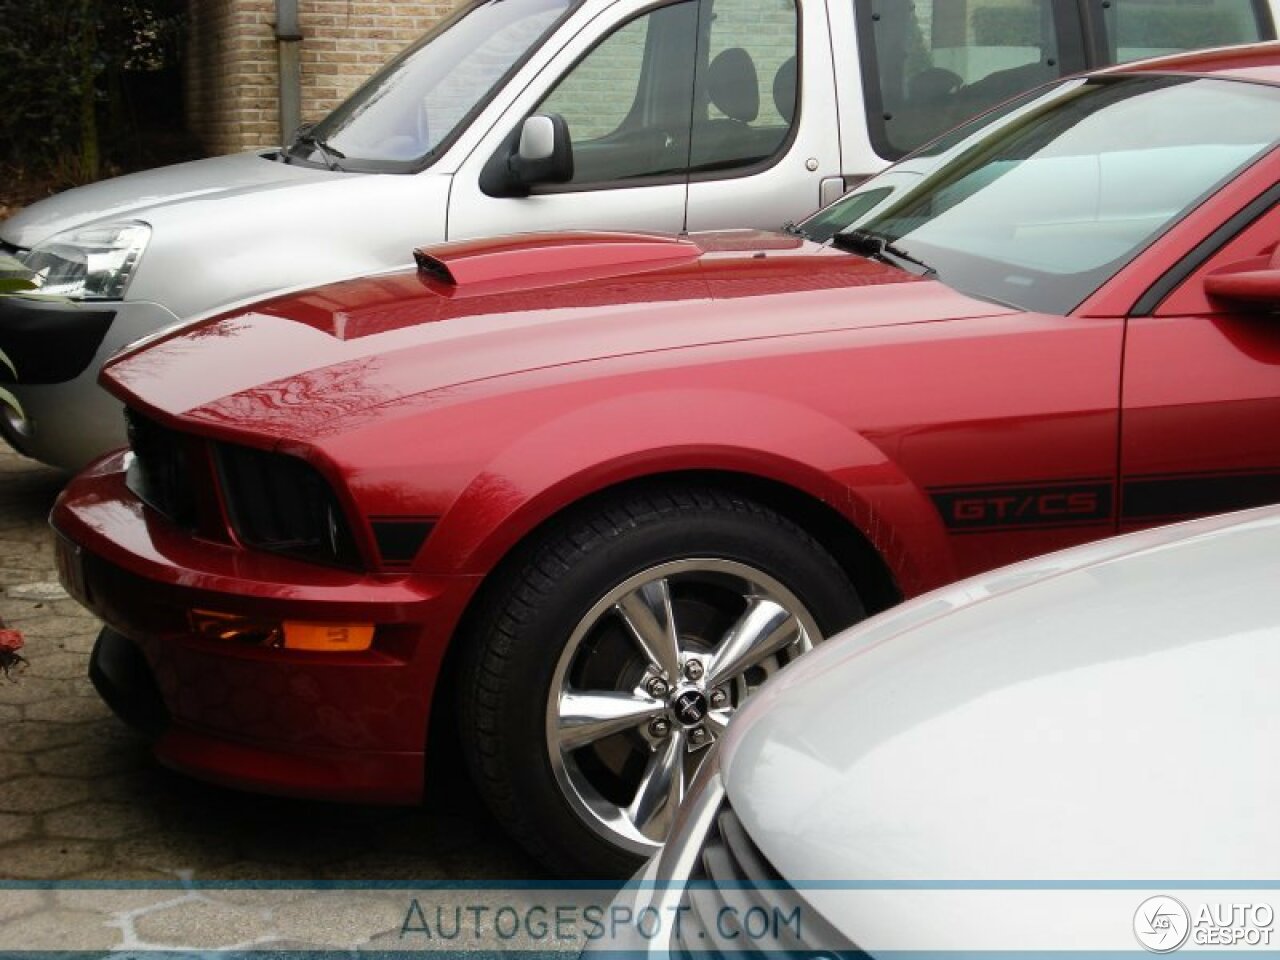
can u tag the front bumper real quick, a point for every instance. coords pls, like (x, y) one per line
(58, 349)
(342, 726)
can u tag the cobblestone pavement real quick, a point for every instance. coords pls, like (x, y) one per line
(81, 798)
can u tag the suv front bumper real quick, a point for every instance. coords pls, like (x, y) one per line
(58, 349)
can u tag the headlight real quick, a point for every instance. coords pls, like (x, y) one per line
(89, 263)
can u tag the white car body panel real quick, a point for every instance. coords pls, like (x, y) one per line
(1055, 720)
(1096, 720)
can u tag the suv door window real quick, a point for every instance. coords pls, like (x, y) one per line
(1152, 28)
(629, 102)
(930, 64)
(747, 82)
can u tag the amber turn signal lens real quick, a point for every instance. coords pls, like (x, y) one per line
(328, 637)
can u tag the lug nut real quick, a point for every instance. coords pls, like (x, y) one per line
(693, 670)
(658, 688)
(659, 727)
(719, 698)
(697, 736)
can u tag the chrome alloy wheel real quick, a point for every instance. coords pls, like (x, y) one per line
(648, 680)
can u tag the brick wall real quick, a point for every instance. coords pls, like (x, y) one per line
(232, 78)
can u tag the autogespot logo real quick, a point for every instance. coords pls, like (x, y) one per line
(1161, 924)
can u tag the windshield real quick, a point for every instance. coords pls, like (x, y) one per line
(1044, 207)
(415, 103)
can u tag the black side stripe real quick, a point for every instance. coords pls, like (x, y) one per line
(1051, 505)
(1025, 506)
(1188, 495)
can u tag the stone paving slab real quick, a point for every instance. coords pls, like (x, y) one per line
(285, 920)
(82, 799)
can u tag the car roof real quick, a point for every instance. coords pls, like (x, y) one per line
(1256, 62)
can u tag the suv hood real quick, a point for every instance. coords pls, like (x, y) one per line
(133, 196)
(491, 308)
(1093, 715)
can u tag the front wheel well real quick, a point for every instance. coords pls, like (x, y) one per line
(856, 556)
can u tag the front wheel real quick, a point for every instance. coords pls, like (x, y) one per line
(611, 659)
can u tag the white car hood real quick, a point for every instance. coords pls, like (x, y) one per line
(1106, 713)
(136, 195)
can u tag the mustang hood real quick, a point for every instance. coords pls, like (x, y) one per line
(134, 196)
(485, 309)
(1092, 715)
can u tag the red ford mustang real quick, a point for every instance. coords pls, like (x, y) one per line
(571, 498)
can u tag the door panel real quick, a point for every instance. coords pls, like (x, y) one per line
(1202, 399)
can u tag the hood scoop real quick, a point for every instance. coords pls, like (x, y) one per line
(534, 260)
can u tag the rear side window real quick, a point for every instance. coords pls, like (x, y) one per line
(1152, 28)
(932, 64)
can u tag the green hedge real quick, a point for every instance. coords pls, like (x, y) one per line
(63, 63)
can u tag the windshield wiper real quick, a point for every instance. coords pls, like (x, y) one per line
(305, 138)
(879, 247)
(794, 230)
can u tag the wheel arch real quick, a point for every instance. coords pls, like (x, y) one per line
(852, 550)
(841, 537)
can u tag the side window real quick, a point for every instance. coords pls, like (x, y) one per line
(939, 62)
(1151, 28)
(747, 83)
(629, 102)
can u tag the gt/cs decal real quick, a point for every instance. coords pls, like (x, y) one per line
(1071, 503)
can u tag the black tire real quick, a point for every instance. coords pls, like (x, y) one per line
(525, 621)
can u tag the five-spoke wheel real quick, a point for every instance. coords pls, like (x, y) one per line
(607, 662)
(650, 677)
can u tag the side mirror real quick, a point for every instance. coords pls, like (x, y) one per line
(1253, 282)
(545, 153)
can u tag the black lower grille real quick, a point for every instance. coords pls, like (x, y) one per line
(160, 474)
(736, 904)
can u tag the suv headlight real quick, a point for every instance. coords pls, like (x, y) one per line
(88, 263)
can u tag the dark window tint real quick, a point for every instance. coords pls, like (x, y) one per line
(1152, 28)
(931, 64)
(748, 82)
(629, 102)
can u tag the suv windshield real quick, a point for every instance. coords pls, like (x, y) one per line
(1048, 204)
(406, 111)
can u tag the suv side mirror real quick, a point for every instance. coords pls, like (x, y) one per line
(1254, 282)
(545, 153)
